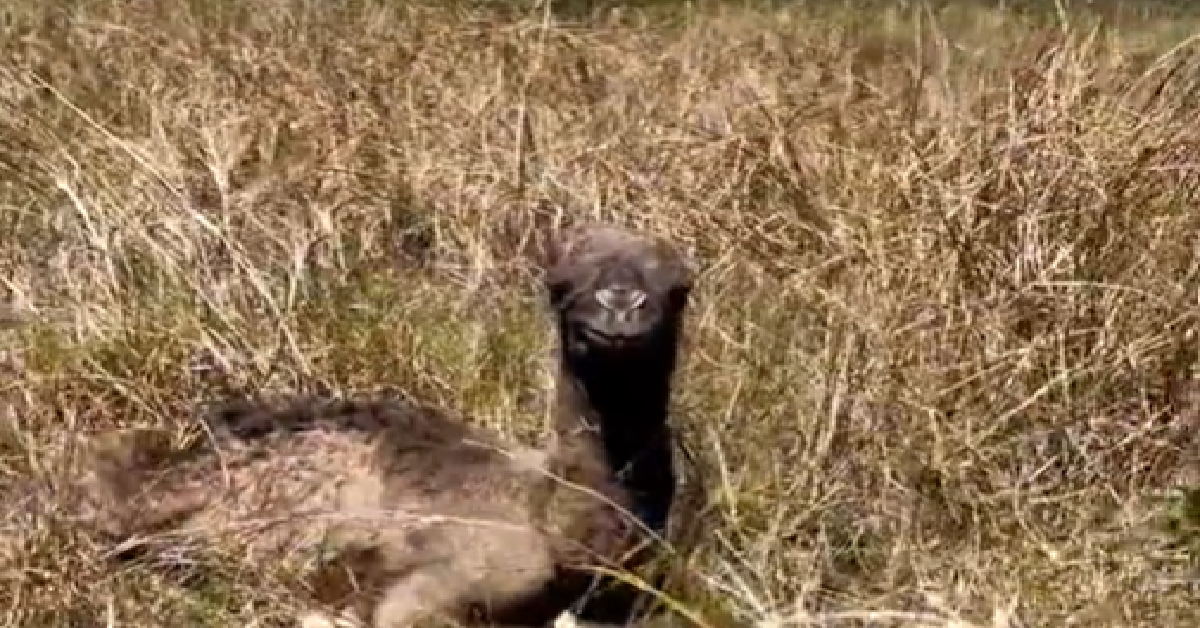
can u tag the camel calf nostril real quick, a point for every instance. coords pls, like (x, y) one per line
(621, 300)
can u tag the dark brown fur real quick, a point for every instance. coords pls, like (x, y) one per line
(431, 515)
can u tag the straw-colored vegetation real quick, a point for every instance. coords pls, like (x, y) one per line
(940, 358)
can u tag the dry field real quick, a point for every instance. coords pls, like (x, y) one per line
(941, 360)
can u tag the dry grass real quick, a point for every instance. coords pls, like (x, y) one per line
(942, 349)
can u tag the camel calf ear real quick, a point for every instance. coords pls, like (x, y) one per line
(680, 269)
(557, 246)
(558, 267)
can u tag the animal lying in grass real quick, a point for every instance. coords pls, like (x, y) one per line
(433, 517)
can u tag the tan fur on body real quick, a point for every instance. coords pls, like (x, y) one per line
(432, 516)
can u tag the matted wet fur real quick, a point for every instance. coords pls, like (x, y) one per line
(426, 514)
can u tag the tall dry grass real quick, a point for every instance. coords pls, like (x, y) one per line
(941, 355)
